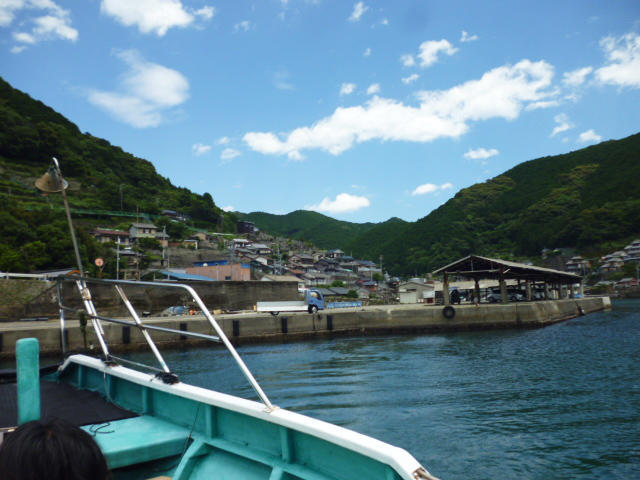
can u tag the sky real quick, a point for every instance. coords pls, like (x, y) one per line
(361, 111)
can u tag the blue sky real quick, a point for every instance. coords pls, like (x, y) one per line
(359, 110)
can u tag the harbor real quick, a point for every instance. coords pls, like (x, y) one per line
(260, 328)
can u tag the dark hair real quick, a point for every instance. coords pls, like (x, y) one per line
(53, 449)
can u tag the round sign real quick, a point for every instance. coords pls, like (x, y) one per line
(99, 262)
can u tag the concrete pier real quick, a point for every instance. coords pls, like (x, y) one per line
(254, 327)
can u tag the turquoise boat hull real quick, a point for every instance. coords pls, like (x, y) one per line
(186, 432)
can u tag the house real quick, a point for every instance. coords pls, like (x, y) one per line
(414, 291)
(104, 235)
(335, 253)
(205, 237)
(240, 243)
(301, 259)
(284, 278)
(613, 262)
(578, 265)
(221, 270)
(633, 252)
(260, 248)
(142, 230)
(628, 282)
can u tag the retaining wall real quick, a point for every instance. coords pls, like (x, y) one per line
(253, 327)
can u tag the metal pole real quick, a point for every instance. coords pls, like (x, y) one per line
(66, 207)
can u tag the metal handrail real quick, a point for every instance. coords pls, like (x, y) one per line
(89, 308)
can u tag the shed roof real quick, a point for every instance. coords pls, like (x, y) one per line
(474, 266)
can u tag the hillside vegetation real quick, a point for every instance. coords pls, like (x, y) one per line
(322, 231)
(33, 231)
(584, 199)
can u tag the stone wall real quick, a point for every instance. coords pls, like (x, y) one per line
(28, 299)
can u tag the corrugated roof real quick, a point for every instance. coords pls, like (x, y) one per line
(186, 276)
(475, 266)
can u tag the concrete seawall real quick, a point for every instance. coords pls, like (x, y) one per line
(253, 327)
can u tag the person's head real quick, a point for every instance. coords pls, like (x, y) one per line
(53, 450)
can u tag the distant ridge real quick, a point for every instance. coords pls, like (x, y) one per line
(588, 199)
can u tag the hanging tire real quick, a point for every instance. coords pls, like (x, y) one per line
(449, 312)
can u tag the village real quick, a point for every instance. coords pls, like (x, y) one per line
(255, 255)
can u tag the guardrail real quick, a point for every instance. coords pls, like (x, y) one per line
(164, 372)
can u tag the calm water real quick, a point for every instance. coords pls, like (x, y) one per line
(559, 402)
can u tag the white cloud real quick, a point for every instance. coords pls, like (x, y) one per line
(347, 88)
(206, 12)
(563, 124)
(576, 77)
(147, 91)
(343, 203)
(56, 24)
(542, 104)
(431, 188)
(367, 52)
(8, 9)
(358, 10)
(430, 50)
(154, 16)
(245, 25)
(229, 154)
(481, 153)
(500, 93)
(623, 55)
(468, 38)
(589, 136)
(223, 141)
(408, 60)
(384, 22)
(410, 79)
(200, 149)
(373, 89)
(228, 208)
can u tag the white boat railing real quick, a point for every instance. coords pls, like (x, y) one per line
(165, 373)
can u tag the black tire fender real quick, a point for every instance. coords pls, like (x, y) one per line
(274, 313)
(449, 312)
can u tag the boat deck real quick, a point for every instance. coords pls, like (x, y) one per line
(79, 407)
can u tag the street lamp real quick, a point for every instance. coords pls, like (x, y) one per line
(52, 182)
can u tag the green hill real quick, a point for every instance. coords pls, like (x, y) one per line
(588, 199)
(583, 199)
(101, 176)
(322, 231)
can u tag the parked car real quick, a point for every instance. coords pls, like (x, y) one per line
(175, 311)
(496, 297)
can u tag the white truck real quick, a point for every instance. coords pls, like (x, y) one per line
(313, 301)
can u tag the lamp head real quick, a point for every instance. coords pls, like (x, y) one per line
(51, 181)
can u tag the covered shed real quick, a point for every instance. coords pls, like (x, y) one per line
(479, 268)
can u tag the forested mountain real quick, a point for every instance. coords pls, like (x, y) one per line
(583, 199)
(322, 231)
(102, 177)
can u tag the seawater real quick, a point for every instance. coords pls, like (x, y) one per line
(558, 402)
(561, 402)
